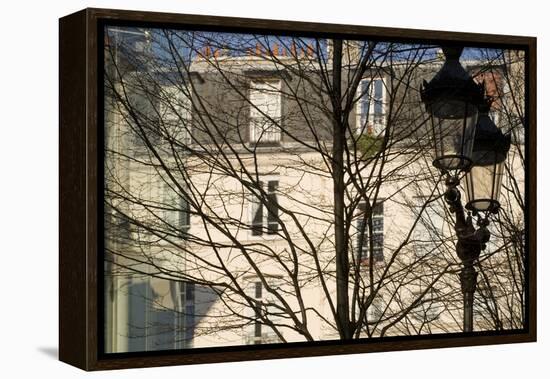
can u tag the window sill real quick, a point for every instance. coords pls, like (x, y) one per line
(265, 144)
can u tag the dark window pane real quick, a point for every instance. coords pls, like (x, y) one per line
(258, 215)
(257, 323)
(378, 209)
(258, 290)
(363, 241)
(378, 223)
(272, 207)
(184, 216)
(257, 220)
(272, 186)
(190, 292)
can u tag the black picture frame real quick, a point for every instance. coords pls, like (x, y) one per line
(80, 165)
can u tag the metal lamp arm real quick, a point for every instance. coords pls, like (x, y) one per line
(471, 242)
(464, 227)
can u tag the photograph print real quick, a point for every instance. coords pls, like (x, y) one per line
(268, 189)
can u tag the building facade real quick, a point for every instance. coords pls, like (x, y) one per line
(221, 195)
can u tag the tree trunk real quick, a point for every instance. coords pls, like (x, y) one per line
(338, 140)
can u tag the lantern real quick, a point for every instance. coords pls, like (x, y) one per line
(484, 179)
(452, 99)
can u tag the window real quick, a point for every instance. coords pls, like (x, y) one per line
(370, 106)
(175, 113)
(176, 209)
(265, 112)
(257, 311)
(187, 309)
(264, 308)
(265, 214)
(362, 233)
(139, 111)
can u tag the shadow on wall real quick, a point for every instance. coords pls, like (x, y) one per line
(163, 314)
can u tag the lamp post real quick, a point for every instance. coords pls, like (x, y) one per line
(465, 141)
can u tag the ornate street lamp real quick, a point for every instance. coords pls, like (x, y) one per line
(465, 143)
(452, 99)
(489, 153)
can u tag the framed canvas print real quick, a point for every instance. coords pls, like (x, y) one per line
(238, 189)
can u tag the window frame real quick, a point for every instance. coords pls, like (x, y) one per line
(251, 336)
(172, 198)
(255, 112)
(253, 200)
(379, 257)
(379, 122)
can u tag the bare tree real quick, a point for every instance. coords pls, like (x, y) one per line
(258, 167)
